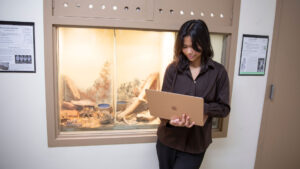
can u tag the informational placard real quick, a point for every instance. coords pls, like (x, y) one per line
(17, 49)
(254, 55)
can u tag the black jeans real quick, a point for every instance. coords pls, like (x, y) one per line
(170, 158)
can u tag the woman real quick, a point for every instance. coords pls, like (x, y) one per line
(181, 144)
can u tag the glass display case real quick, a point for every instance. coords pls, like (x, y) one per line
(103, 74)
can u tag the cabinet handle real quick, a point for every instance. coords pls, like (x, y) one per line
(272, 92)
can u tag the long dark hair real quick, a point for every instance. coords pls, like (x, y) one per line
(199, 34)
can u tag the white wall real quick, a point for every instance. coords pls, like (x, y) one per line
(23, 142)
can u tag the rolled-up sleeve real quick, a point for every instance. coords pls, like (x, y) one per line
(220, 107)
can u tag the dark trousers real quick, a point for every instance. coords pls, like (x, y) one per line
(169, 158)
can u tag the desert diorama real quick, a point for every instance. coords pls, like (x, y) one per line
(103, 75)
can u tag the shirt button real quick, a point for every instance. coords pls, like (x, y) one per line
(195, 81)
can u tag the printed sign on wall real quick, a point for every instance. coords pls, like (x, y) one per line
(253, 55)
(17, 50)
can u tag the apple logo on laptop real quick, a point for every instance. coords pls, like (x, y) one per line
(174, 108)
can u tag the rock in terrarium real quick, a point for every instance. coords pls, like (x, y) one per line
(70, 90)
(87, 112)
(105, 117)
(105, 113)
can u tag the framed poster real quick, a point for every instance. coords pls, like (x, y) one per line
(17, 48)
(253, 55)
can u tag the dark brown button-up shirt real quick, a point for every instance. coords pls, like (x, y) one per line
(213, 85)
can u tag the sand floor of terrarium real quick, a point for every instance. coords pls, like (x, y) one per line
(80, 111)
(93, 123)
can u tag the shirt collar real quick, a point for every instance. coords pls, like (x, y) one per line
(209, 64)
(204, 67)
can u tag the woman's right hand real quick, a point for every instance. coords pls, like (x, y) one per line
(183, 121)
